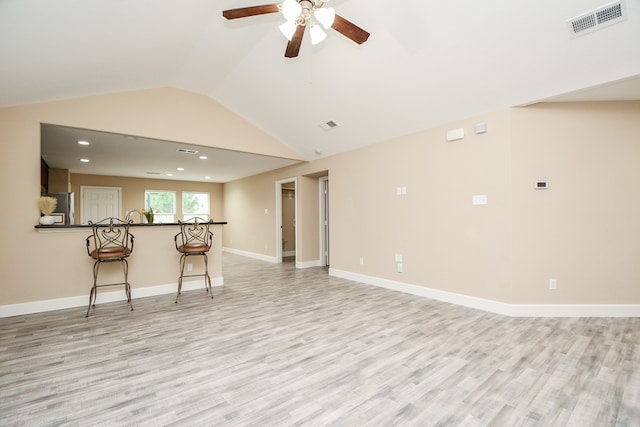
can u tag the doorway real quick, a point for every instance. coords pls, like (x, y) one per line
(286, 215)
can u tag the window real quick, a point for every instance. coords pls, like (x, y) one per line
(163, 204)
(195, 205)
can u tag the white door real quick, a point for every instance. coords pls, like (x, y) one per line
(99, 203)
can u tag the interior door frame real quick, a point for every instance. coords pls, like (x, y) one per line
(323, 184)
(278, 243)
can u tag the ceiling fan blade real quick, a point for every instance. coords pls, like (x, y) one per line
(243, 12)
(350, 30)
(293, 47)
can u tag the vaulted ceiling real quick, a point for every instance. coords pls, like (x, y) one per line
(426, 62)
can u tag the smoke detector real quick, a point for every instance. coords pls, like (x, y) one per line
(328, 125)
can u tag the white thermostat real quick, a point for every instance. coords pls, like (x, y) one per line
(541, 185)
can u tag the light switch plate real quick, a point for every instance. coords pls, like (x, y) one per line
(479, 199)
(455, 134)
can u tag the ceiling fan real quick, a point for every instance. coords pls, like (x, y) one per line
(300, 14)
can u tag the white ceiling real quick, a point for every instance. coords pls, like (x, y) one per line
(425, 64)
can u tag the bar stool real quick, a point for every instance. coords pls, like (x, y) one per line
(194, 239)
(110, 241)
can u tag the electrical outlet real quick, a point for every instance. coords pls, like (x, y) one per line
(361, 260)
(553, 284)
(399, 266)
(189, 267)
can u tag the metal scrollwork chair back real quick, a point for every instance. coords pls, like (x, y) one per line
(194, 239)
(110, 241)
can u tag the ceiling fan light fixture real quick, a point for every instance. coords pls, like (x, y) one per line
(288, 29)
(325, 16)
(291, 10)
(303, 14)
(317, 35)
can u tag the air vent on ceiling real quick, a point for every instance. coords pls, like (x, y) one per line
(597, 19)
(329, 125)
(186, 151)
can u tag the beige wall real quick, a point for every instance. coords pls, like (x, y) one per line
(59, 181)
(583, 231)
(133, 192)
(434, 226)
(252, 230)
(308, 220)
(63, 267)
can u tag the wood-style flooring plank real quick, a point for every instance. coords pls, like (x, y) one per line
(284, 347)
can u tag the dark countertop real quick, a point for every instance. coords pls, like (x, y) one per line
(165, 224)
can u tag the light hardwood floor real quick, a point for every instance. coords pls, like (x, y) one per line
(279, 346)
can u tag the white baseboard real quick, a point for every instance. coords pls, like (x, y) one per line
(308, 264)
(505, 309)
(253, 255)
(576, 310)
(103, 297)
(289, 253)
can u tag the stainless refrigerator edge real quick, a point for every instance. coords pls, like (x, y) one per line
(65, 206)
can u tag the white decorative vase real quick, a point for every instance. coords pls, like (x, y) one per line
(47, 220)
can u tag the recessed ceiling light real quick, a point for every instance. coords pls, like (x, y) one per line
(169, 174)
(207, 177)
(179, 169)
(84, 160)
(203, 157)
(83, 142)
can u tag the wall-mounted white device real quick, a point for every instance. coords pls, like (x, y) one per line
(479, 199)
(541, 185)
(455, 134)
(480, 127)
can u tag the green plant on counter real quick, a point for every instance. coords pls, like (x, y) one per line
(148, 214)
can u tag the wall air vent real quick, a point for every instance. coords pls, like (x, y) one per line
(597, 19)
(186, 151)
